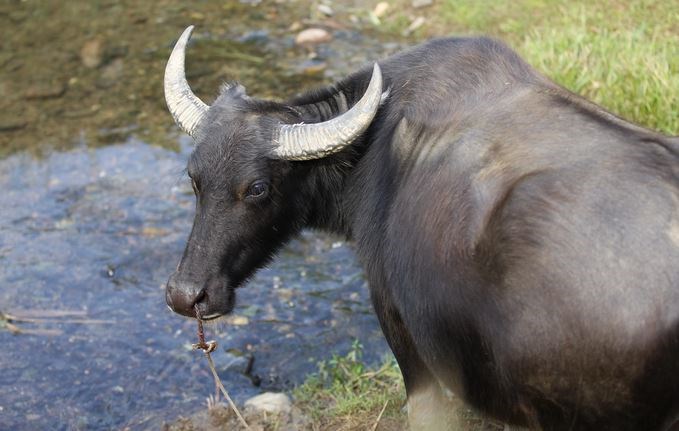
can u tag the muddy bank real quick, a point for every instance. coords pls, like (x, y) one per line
(75, 73)
(222, 418)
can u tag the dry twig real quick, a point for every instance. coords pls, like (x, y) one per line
(45, 317)
(377, 422)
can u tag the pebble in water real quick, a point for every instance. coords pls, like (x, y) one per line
(92, 53)
(45, 90)
(313, 36)
(381, 9)
(325, 10)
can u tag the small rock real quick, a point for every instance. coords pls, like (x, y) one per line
(151, 231)
(332, 24)
(312, 67)
(139, 19)
(285, 294)
(119, 134)
(235, 352)
(270, 402)
(8, 125)
(417, 23)
(233, 363)
(92, 53)
(277, 282)
(45, 90)
(255, 36)
(325, 10)
(422, 3)
(12, 65)
(111, 73)
(295, 26)
(380, 9)
(18, 16)
(236, 320)
(112, 52)
(312, 36)
(80, 113)
(64, 223)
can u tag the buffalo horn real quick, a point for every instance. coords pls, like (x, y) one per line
(186, 108)
(313, 141)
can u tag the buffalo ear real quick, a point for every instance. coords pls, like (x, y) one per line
(327, 103)
(234, 89)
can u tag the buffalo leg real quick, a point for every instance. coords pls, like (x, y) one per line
(428, 408)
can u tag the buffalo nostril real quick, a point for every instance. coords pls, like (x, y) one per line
(200, 296)
(182, 296)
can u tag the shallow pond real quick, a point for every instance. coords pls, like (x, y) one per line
(88, 238)
(91, 229)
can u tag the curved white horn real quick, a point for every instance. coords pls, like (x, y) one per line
(186, 108)
(313, 141)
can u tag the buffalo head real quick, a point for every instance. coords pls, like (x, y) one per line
(246, 173)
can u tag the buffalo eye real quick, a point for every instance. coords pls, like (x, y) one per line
(257, 189)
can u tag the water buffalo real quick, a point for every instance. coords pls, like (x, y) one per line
(521, 243)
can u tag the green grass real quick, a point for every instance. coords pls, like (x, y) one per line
(633, 73)
(622, 55)
(345, 394)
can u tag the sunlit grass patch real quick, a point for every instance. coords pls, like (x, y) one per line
(633, 72)
(622, 55)
(345, 394)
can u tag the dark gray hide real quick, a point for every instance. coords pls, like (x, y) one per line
(521, 243)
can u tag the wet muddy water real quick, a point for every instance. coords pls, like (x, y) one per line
(95, 208)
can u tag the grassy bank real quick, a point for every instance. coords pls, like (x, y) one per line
(622, 55)
(345, 394)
